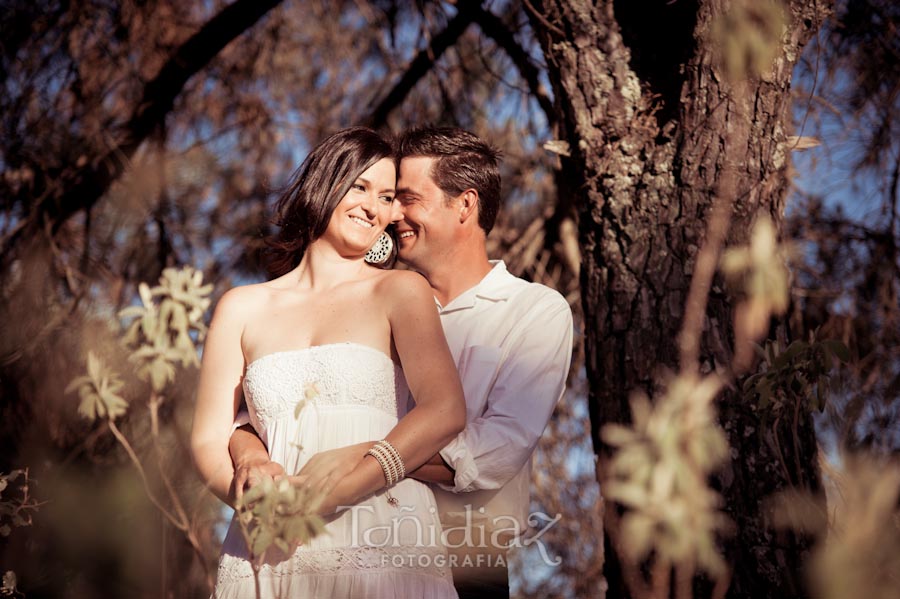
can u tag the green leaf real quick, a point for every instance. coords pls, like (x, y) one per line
(793, 350)
(95, 367)
(160, 372)
(98, 391)
(113, 404)
(838, 349)
(617, 435)
(770, 352)
(638, 534)
(750, 381)
(765, 395)
(76, 383)
(145, 293)
(627, 494)
(261, 541)
(132, 312)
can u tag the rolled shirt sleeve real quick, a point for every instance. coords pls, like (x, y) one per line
(517, 396)
(241, 418)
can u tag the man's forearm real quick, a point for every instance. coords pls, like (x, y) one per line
(434, 470)
(245, 446)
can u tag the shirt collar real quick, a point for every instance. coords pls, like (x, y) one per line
(497, 285)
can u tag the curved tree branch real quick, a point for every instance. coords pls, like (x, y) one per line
(493, 27)
(467, 11)
(87, 185)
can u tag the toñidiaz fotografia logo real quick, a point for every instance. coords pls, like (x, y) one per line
(473, 539)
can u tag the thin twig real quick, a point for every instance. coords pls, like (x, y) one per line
(637, 587)
(722, 584)
(186, 528)
(778, 453)
(544, 20)
(660, 577)
(140, 468)
(704, 271)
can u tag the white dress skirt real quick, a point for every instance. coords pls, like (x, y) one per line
(373, 549)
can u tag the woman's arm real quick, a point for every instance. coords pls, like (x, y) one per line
(440, 411)
(219, 394)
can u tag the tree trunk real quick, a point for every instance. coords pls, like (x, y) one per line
(652, 125)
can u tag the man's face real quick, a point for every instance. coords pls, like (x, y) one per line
(427, 230)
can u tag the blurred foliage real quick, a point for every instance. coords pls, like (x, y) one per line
(160, 336)
(158, 340)
(761, 273)
(197, 191)
(9, 584)
(17, 508)
(278, 514)
(844, 217)
(99, 391)
(659, 471)
(798, 374)
(858, 549)
(748, 34)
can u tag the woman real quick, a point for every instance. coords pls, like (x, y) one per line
(335, 329)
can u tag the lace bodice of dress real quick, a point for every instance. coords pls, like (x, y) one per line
(338, 374)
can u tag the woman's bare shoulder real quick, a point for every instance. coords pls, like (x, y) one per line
(241, 301)
(404, 284)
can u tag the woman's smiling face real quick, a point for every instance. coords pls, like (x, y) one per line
(366, 209)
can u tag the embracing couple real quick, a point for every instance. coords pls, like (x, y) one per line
(425, 391)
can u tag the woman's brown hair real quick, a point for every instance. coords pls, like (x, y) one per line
(304, 209)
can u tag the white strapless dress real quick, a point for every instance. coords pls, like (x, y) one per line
(373, 549)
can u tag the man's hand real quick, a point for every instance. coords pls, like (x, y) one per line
(251, 461)
(328, 468)
(249, 474)
(435, 470)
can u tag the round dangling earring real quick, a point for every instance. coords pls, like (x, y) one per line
(379, 252)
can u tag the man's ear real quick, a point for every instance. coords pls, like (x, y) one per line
(468, 205)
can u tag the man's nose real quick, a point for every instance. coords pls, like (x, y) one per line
(397, 213)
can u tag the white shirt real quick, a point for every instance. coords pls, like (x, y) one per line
(512, 343)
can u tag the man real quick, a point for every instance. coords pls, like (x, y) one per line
(512, 342)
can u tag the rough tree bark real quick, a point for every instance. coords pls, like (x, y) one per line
(652, 124)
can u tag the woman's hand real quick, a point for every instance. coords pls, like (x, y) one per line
(340, 496)
(327, 468)
(327, 503)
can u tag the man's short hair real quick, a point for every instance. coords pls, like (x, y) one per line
(462, 161)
